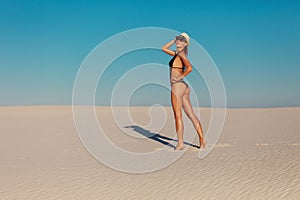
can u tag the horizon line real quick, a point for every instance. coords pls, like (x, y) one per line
(228, 107)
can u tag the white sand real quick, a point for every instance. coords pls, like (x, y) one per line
(256, 157)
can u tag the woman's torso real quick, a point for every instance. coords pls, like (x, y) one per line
(176, 67)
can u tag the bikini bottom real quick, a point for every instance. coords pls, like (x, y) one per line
(180, 81)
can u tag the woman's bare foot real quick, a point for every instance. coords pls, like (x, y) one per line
(202, 143)
(179, 147)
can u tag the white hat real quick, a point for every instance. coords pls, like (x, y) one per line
(187, 37)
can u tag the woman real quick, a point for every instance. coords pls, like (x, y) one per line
(180, 91)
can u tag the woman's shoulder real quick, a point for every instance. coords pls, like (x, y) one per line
(182, 55)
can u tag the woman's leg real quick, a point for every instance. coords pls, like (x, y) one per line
(188, 109)
(177, 93)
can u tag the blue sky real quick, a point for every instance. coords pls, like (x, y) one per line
(255, 45)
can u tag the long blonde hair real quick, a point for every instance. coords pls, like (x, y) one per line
(186, 51)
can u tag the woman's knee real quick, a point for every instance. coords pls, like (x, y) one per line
(178, 115)
(190, 114)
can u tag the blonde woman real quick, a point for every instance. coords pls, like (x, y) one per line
(180, 67)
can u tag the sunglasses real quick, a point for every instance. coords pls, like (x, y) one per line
(180, 38)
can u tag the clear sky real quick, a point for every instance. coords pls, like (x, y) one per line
(255, 44)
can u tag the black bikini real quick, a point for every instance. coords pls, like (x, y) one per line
(171, 66)
(172, 61)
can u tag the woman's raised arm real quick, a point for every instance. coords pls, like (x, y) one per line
(166, 47)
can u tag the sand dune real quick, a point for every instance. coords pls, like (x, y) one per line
(256, 157)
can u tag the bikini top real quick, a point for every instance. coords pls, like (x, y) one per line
(172, 61)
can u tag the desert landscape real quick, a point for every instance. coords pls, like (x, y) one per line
(256, 157)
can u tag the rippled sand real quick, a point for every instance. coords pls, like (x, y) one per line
(256, 157)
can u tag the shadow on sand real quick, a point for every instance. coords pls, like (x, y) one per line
(156, 137)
